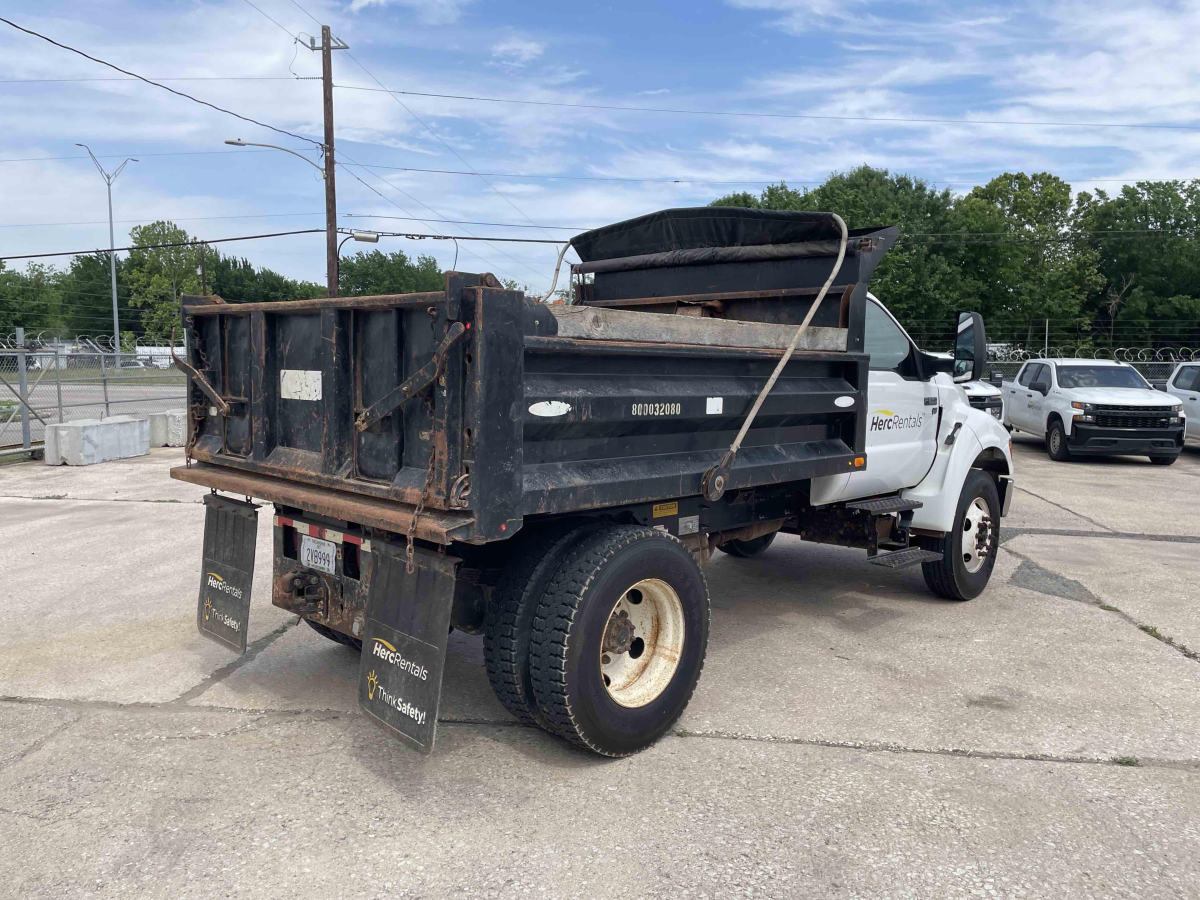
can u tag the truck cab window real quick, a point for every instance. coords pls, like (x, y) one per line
(886, 343)
(1027, 378)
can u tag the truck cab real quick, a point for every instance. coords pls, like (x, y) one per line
(925, 436)
(1094, 407)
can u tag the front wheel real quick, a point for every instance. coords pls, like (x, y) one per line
(619, 640)
(1056, 442)
(969, 549)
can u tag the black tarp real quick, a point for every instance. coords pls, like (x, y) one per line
(703, 227)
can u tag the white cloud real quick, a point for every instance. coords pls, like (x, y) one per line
(431, 12)
(516, 51)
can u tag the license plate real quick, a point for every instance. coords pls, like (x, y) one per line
(318, 554)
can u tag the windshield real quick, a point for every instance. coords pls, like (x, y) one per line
(1099, 376)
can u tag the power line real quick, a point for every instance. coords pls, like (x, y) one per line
(435, 212)
(439, 138)
(468, 222)
(387, 199)
(249, 237)
(277, 25)
(763, 115)
(158, 84)
(164, 218)
(139, 155)
(180, 78)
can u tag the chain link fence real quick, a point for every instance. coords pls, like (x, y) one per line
(46, 386)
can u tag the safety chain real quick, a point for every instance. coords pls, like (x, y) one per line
(410, 565)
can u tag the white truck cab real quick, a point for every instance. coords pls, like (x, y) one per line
(928, 442)
(1094, 407)
(1184, 384)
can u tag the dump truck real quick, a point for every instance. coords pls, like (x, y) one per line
(555, 477)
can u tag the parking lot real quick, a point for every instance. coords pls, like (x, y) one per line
(851, 736)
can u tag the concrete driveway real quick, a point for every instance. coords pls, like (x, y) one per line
(852, 736)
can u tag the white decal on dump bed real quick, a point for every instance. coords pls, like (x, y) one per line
(300, 384)
(550, 408)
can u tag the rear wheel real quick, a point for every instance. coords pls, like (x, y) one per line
(508, 623)
(327, 632)
(752, 547)
(619, 640)
(1056, 442)
(969, 549)
(1163, 460)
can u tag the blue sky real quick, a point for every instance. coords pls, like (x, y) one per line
(1097, 62)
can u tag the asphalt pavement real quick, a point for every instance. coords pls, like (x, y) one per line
(851, 736)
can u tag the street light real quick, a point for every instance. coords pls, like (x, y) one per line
(331, 267)
(284, 149)
(112, 243)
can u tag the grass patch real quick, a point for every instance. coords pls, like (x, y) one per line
(164, 501)
(51, 497)
(1126, 761)
(1108, 608)
(1154, 633)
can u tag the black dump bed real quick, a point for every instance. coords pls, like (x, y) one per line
(512, 414)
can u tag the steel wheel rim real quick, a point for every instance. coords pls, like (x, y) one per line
(976, 535)
(1055, 440)
(642, 643)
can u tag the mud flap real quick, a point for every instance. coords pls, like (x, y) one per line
(227, 570)
(404, 646)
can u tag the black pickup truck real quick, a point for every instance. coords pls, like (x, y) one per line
(472, 458)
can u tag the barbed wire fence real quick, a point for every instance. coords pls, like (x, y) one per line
(49, 381)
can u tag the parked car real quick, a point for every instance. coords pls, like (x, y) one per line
(1184, 383)
(132, 364)
(1094, 407)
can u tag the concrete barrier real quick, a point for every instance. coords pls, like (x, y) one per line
(168, 429)
(85, 442)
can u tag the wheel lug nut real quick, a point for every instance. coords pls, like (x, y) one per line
(606, 659)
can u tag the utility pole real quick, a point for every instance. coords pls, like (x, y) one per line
(112, 243)
(331, 243)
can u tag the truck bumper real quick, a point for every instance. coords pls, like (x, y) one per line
(1088, 439)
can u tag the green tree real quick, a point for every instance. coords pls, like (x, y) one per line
(1027, 267)
(1147, 254)
(240, 281)
(158, 276)
(392, 273)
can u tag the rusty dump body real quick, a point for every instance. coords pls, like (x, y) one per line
(468, 404)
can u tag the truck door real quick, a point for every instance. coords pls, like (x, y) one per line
(1020, 398)
(902, 412)
(1186, 387)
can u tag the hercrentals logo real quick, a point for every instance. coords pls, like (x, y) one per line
(388, 653)
(217, 583)
(886, 420)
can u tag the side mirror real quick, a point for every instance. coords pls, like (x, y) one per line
(997, 378)
(970, 348)
(1042, 387)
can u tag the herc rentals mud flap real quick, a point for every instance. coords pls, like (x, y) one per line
(404, 646)
(227, 572)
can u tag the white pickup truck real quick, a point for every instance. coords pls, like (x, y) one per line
(1184, 384)
(1093, 407)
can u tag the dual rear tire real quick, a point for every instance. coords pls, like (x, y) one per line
(599, 635)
